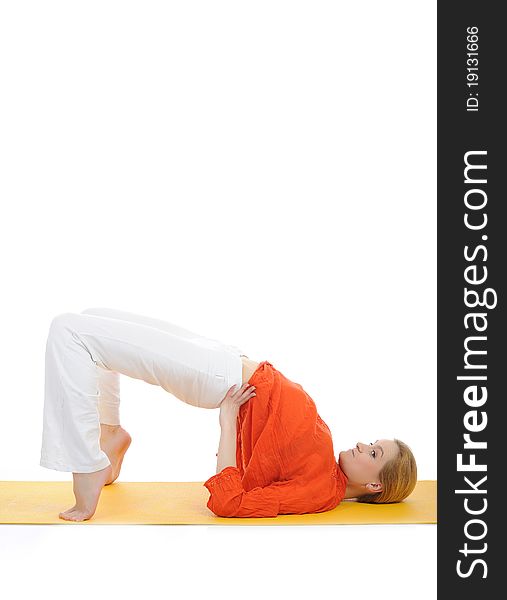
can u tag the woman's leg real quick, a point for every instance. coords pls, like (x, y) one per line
(109, 381)
(197, 371)
(81, 346)
(167, 326)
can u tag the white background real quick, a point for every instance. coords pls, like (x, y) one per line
(260, 172)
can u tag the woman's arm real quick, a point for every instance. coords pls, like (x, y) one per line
(227, 446)
(228, 498)
(229, 410)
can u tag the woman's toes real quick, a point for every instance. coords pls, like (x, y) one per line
(75, 515)
(65, 513)
(81, 515)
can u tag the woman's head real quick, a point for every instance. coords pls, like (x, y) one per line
(380, 472)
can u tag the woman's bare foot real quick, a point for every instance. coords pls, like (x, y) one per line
(87, 488)
(114, 441)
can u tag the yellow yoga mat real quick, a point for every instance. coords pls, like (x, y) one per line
(168, 503)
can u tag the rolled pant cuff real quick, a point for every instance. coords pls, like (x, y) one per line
(59, 466)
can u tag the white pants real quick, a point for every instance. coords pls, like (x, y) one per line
(86, 352)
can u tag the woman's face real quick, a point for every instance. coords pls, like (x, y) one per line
(363, 463)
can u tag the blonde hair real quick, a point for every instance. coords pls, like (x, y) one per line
(398, 478)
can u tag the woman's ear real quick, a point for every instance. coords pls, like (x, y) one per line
(373, 488)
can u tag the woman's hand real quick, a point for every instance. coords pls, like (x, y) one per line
(232, 402)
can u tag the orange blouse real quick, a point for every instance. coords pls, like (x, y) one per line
(284, 455)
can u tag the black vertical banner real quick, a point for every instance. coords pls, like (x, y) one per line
(472, 252)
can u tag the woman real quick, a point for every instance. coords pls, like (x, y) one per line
(275, 454)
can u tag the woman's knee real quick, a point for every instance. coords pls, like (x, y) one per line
(62, 322)
(92, 311)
